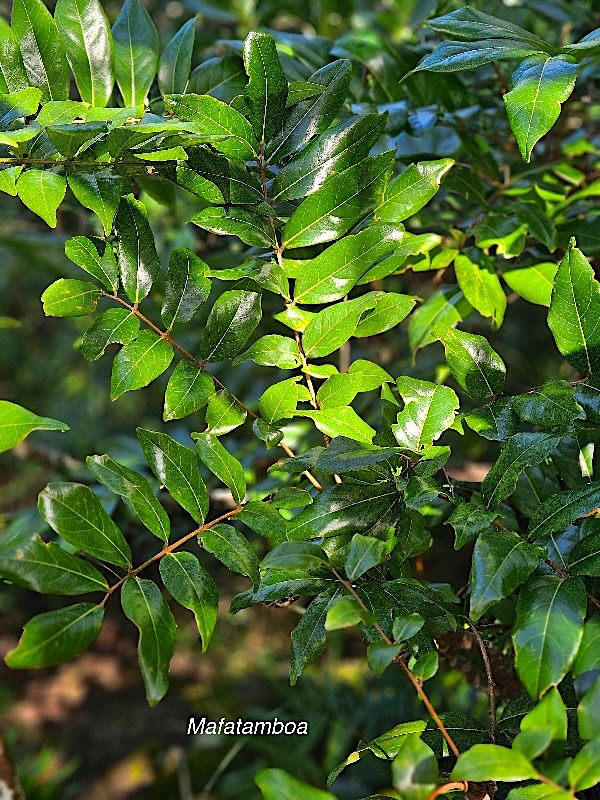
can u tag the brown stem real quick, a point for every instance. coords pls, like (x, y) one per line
(169, 549)
(448, 787)
(71, 162)
(490, 681)
(416, 683)
(9, 783)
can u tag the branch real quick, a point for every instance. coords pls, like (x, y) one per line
(490, 681)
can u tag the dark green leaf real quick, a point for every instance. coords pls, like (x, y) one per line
(176, 60)
(475, 365)
(56, 636)
(267, 89)
(469, 23)
(188, 390)
(67, 297)
(365, 552)
(224, 413)
(551, 406)
(559, 510)
(145, 606)
(584, 558)
(95, 257)
(42, 192)
(409, 192)
(455, 56)
(295, 555)
(189, 583)
(217, 179)
(232, 549)
(231, 321)
(186, 287)
(136, 52)
(309, 636)
(496, 421)
(115, 325)
(42, 49)
(100, 191)
(222, 464)
(252, 228)
(17, 422)
(469, 522)
(428, 411)
(222, 77)
(76, 514)
(139, 363)
(138, 260)
(446, 307)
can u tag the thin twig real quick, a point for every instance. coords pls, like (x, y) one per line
(463, 786)
(490, 681)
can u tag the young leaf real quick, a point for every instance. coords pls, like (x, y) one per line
(275, 784)
(584, 771)
(138, 260)
(95, 257)
(429, 410)
(17, 422)
(222, 464)
(139, 363)
(484, 762)
(272, 350)
(176, 467)
(475, 365)
(56, 636)
(406, 626)
(176, 60)
(42, 192)
(309, 636)
(537, 90)
(342, 421)
(409, 192)
(267, 89)
(46, 567)
(559, 510)
(533, 283)
(188, 390)
(502, 561)
(333, 326)
(252, 228)
(89, 45)
(132, 486)
(380, 655)
(232, 549)
(482, 287)
(339, 204)
(186, 287)
(365, 552)
(281, 400)
(67, 297)
(76, 514)
(145, 606)
(230, 323)
(548, 630)
(446, 307)
(100, 191)
(574, 311)
(42, 49)
(136, 52)
(189, 583)
(115, 325)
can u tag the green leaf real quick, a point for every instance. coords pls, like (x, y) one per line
(474, 364)
(189, 583)
(339, 390)
(95, 257)
(280, 400)
(56, 636)
(186, 287)
(425, 666)
(496, 421)
(88, 41)
(559, 510)
(232, 549)
(272, 350)
(100, 191)
(490, 762)
(291, 497)
(574, 311)
(409, 192)
(222, 77)
(390, 309)
(469, 522)
(335, 271)
(8, 179)
(406, 626)
(428, 411)
(224, 413)
(217, 179)
(46, 567)
(139, 363)
(17, 422)
(309, 636)
(365, 552)
(136, 52)
(468, 23)
(139, 263)
(346, 612)
(145, 606)
(76, 514)
(340, 203)
(188, 390)
(176, 60)
(502, 561)
(551, 406)
(415, 769)
(18, 104)
(67, 297)
(584, 558)
(521, 450)
(222, 464)
(332, 152)
(446, 307)
(115, 325)
(12, 69)
(456, 56)
(537, 89)
(344, 455)
(588, 655)
(333, 326)
(176, 468)
(584, 771)
(507, 234)
(546, 723)
(42, 192)
(275, 784)
(302, 90)
(548, 630)
(252, 228)
(342, 421)
(134, 488)
(267, 89)
(588, 711)
(232, 319)
(295, 555)
(211, 116)
(42, 49)
(311, 116)
(380, 655)
(482, 287)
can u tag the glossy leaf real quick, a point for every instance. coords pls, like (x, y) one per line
(188, 390)
(342, 421)
(67, 297)
(455, 56)
(89, 45)
(95, 257)
(409, 192)
(42, 192)
(484, 762)
(232, 549)
(537, 90)
(224, 413)
(16, 423)
(574, 312)
(584, 772)
(548, 630)
(365, 552)
(100, 191)
(42, 49)
(446, 307)
(390, 309)
(189, 583)
(186, 287)
(482, 288)
(267, 89)
(333, 326)
(429, 410)
(139, 363)
(222, 464)
(469, 23)
(176, 60)
(275, 784)
(502, 561)
(139, 264)
(272, 350)
(136, 52)
(134, 488)
(252, 228)
(56, 636)
(496, 421)
(76, 514)
(406, 626)
(475, 365)
(231, 321)
(115, 325)
(281, 400)
(309, 636)
(559, 510)
(145, 606)
(533, 283)
(222, 77)
(12, 68)
(469, 521)
(339, 204)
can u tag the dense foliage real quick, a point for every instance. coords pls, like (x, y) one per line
(300, 162)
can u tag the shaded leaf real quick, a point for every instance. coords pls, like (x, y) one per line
(475, 365)
(189, 583)
(232, 549)
(222, 464)
(136, 52)
(17, 422)
(188, 390)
